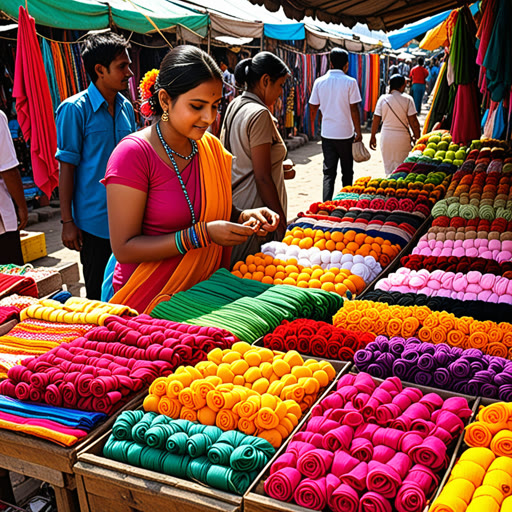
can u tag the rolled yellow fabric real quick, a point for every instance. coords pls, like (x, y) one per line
(506, 506)
(448, 503)
(482, 456)
(470, 471)
(461, 488)
(489, 490)
(500, 480)
(483, 504)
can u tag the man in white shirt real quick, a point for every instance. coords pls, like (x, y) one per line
(337, 96)
(11, 188)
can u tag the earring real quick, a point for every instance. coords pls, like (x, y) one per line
(165, 116)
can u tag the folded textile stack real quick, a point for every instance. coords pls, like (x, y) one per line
(76, 310)
(108, 365)
(471, 286)
(476, 309)
(427, 325)
(368, 447)
(228, 461)
(247, 308)
(478, 481)
(61, 426)
(463, 371)
(318, 339)
(254, 389)
(20, 285)
(18, 301)
(492, 429)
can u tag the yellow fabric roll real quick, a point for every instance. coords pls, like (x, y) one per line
(470, 471)
(483, 504)
(489, 490)
(461, 488)
(506, 506)
(448, 503)
(499, 479)
(482, 456)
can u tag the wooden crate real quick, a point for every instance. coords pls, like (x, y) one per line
(108, 485)
(49, 462)
(33, 245)
(256, 500)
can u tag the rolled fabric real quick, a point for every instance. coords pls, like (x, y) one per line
(374, 502)
(282, 484)
(478, 434)
(431, 453)
(362, 449)
(356, 478)
(447, 502)
(311, 494)
(501, 443)
(344, 499)
(482, 456)
(486, 503)
(315, 463)
(382, 479)
(338, 438)
(495, 413)
(342, 463)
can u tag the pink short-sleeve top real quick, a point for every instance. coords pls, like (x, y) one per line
(134, 163)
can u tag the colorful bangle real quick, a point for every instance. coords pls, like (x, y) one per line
(194, 237)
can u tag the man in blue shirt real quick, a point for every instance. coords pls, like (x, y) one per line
(89, 126)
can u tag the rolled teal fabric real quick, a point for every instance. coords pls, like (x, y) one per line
(198, 445)
(125, 422)
(177, 443)
(220, 453)
(139, 429)
(156, 436)
(247, 458)
(227, 479)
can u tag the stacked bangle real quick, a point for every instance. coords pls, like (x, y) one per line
(194, 237)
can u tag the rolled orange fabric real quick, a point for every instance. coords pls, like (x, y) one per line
(226, 420)
(169, 407)
(478, 434)
(188, 414)
(266, 419)
(497, 413)
(501, 443)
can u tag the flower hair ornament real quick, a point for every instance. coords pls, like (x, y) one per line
(146, 91)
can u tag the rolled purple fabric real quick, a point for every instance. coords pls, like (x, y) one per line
(343, 463)
(282, 484)
(340, 437)
(431, 453)
(311, 494)
(374, 502)
(423, 378)
(460, 369)
(344, 499)
(382, 479)
(363, 358)
(401, 368)
(443, 378)
(357, 477)
(376, 369)
(361, 449)
(286, 460)
(315, 463)
(426, 362)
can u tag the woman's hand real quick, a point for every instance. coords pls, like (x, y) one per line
(262, 220)
(373, 142)
(288, 169)
(228, 234)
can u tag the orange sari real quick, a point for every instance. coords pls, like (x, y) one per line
(144, 289)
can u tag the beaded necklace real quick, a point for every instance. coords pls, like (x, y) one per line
(170, 152)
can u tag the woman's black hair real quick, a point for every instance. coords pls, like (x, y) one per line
(249, 71)
(102, 49)
(395, 82)
(184, 68)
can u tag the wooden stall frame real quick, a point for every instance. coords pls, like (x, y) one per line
(47, 461)
(255, 500)
(136, 487)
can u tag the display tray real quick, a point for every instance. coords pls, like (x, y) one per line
(256, 500)
(395, 264)
(104, 484)
(50, 462)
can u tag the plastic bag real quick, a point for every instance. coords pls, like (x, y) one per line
(359, 152)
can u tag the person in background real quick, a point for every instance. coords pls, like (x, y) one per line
(404, 68)
(229, 81)
(11, 188)
(397, 112)
(433, 74)
(176, 179)
(250, 133)
(418, 76)
(89, 126)
(337, 96)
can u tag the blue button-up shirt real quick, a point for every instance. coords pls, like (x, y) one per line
(86, 136)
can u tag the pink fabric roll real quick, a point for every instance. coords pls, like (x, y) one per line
(282, 484)
(344, 499)
(340, 437)
(310, 438)
(388, 437)
(382, 479)
(343, 464)
(409, 441)
(286, 460)
(430, 453)
(321, 425)
(357, 477)
(315, 463)
(361, 449)
(383, 453)
(311, 494)
(374, 502)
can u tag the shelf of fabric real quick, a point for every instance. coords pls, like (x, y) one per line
(105, 484)
(256, 500)
(46, 461)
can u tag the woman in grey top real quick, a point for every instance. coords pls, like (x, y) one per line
(250, 133)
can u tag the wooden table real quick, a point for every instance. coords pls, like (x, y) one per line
(50, 462)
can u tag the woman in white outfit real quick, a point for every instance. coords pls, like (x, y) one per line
(397, 112)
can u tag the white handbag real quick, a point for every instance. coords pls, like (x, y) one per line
(359, 152)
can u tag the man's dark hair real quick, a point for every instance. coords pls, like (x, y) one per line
(338, 58)
(421, 61)
(395, 82)
(102, 49)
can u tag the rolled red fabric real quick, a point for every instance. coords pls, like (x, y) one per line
(286, 460)
(357, 477)
(340, 437)
(315, 463)
(344, 499)
(311, 494)
(343, 463)
(374, 502)
(282, 484)
(431, 453)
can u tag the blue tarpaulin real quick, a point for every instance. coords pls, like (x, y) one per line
(285, 31)
(400, 37)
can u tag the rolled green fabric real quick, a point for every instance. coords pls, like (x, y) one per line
(195, 428)
(156, 436)
(232, 437)
(229, 480)
(116, 450)
(122, 429)
(182, 425)
(261, 444)
(487, 212)
(177, 443)
(247, 458)
(175, 465)
(198, 445)
(150, 458)
(220, 454)
(198, 469)
(453, 210)
(139, 429)
(133, 452)
(468, 211)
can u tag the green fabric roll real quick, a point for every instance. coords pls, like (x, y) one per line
(247, 458)
(198, 445)
(122, 429)
(229, 480)
(453, 210)
(139, 429)
(260, 444)
(175, 465)
(156, 436)
(232, 437)
(220, 453)
(198, 469)
(177, 443)
(487, 212)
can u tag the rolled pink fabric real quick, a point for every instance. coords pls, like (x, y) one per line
(310, 438)
(344, 499)
(340, 437)
(387, 413)
(298, 448)
(362, 449)
(346, 380)
(315, 463)
(282, 484)
(388, 437)
(423, 426)
(383, 479)
(343, 464)
(367, 431)
(364, 383)
(374, 502)
(383, 453)
(431, 453)
(409, 441)
(449, 421)
(286, 460)
(432, 401)
(458, 405)
(311, 494)
(321, 425)
(419, 484)
(357, 477)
